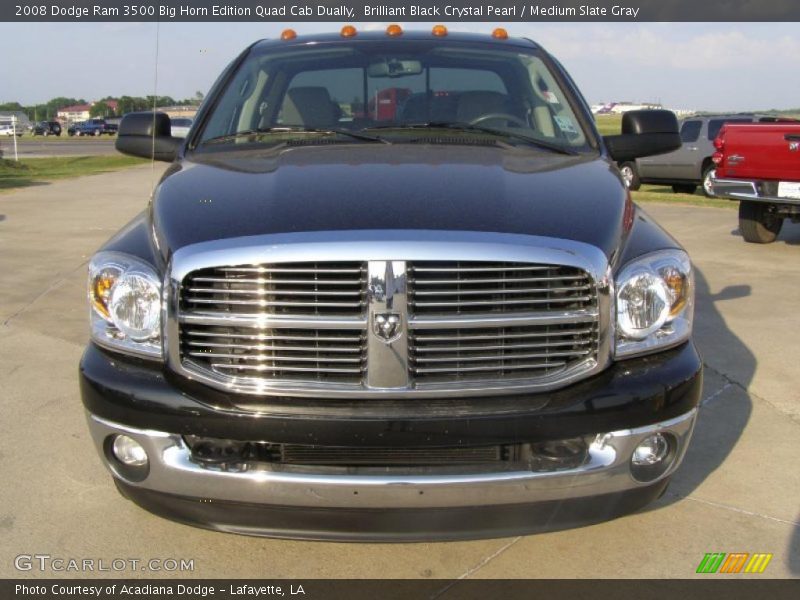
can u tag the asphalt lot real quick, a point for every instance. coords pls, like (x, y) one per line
(737, 490)
(46, 147)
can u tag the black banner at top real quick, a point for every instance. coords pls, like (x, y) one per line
(399, 10)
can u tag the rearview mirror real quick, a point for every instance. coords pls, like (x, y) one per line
(148, 135)
(393, 67)
(644, 133)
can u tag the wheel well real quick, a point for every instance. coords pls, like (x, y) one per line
(706, 163)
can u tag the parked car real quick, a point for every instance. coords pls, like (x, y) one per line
(47, 128)
(95, 127)
(8, 129)
(181, 126)
(691, 164)
(73, 128)
(331, 326)
(759, 166)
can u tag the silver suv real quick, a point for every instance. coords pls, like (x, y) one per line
(690, 165)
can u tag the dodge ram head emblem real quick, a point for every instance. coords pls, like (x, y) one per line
(794, 146)
(387, 326)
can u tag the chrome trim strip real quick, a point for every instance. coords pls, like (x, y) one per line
(380, 247)
(272, 322)
(505, 320)
(742, 189)
(607, 471)
(387, 359)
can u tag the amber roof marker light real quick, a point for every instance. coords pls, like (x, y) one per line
(500, 34)
(394, 30)
(348, 31)
(288, 34)
(439, 30)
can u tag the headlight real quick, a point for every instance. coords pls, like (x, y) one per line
(655, 303)
(125, 299)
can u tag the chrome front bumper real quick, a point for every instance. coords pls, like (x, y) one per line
(171, 471)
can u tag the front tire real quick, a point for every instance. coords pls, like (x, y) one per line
(684, 188)
(630, 176)
(758, 223)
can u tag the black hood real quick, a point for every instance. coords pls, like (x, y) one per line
(401, 186)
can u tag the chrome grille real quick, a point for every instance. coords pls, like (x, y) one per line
(223, 329)
(488, 323)
(500, 352)
(496, 287)
(286, 289)
(277, 354)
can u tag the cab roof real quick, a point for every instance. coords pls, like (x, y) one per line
(407, 36)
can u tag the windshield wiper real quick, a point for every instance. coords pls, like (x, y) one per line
(266, 130)
(480, 129)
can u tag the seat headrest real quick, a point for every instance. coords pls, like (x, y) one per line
(310, 107)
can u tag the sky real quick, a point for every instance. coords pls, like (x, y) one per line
(697, 66)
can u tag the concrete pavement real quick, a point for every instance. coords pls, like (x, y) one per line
(737, 491)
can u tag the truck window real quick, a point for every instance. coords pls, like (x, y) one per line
(690, 131)
(714, 125)
(395, 84)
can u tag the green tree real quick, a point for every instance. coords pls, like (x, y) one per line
(128, 104)
(161, 101)
(11, 106)
(101, 109)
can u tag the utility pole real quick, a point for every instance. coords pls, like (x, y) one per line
(14, 135)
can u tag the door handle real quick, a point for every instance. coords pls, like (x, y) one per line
(693, 148)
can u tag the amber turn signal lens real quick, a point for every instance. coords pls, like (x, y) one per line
(288, 34)
(101, 291)
(439, 30)
(394, 30)
(348, 31)
(500, 34)
(678, 287)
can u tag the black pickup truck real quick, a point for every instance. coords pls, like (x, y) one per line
(95, 127)
(439, 321)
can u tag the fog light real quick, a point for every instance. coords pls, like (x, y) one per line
(651, 451)
(128, 451)
(558, 454)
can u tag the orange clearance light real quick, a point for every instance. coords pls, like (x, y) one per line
(439, 30)
(500, 34)
(288, 34)
(348, 31)
(394, 30)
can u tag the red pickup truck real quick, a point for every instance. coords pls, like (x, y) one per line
(759, 165)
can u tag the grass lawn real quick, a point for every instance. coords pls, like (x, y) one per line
(663, 193)
(608, 124)
(35, 171)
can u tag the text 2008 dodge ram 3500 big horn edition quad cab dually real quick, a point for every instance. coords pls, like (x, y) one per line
(450, 321)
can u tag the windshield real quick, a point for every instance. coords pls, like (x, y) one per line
(397, 90)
